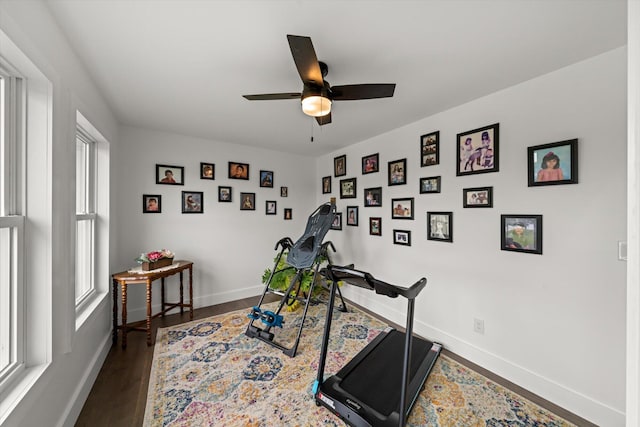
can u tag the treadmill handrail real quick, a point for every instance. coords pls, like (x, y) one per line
(366, 280)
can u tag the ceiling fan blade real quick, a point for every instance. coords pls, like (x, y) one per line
(272, 96)
(362, 91)
(324, 120)
(305, 58)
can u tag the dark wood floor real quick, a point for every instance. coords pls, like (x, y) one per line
(119, 395)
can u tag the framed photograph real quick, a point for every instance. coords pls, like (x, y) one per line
(348, 188)
(270, 207)
(326, 185)
(266, 179)
(171, 175)
(207, 171)
(284, 191)
(224, 194)
(430, 185)
(340, 165)
(402, 208)
(370, 164)
(375, 226)
(521, 233)
(151, 203)
(337, 222)
(402, 237)
(398, 172)
(430, 149)
(238, 170)
(352, 215)
(192, 202)
(553, 164)
(478, 150)
(247, 201)
(440, 226)
(288, 213)
(480, 197)
(372, 197)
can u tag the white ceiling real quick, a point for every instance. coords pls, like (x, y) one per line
(182, 66)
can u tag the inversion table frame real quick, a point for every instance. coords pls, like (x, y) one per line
(305, 255)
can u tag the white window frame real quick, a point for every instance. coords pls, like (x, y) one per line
(11, 219)
(96, 210)
(28, 212)
(85, 284)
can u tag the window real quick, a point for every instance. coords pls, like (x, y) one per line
(92, 219)
(85, 215)
(25, 224)
(11, 221)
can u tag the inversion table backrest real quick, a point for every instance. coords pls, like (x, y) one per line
(304, 252)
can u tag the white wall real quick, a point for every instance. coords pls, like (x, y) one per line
(75, 355)
(554, 323)
(633, 219)
(230, 248)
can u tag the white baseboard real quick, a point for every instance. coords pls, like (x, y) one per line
(79, 396)
(140, 313)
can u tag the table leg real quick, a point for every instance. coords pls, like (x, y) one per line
(148, 312)
(162, 300)
(181, 295)
(190, 293)
(114, 339)
(123, 287)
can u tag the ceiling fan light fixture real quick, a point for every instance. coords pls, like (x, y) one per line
(316, 105)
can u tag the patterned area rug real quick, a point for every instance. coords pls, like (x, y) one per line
(208, 373)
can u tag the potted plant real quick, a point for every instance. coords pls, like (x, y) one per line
(284, 274)
(155, 259)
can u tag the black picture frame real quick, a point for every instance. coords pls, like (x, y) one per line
(371, 163)
(151, 203)
(348, 188)
(440, 226)
(563, 156)
(326, 185)
(521, 233)
(430, 149)
(271, 207)
(266, 179)
(373, 197)
(337, 221)
(225, 194)
(169, 175)
(478, 197)
(239, 170)
(288, 214)
(352, 215)
(402, 237)
(192, 202)
(402, 208)
(375, 226)
(340, 166)
(284, 191)
(478, 150)
(247, 201)
(431, 184)
(207, 171)
(397, 172)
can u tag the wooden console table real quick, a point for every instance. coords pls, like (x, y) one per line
(126, 278)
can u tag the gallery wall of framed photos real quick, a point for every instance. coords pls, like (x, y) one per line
(193, 201)
(477, 152)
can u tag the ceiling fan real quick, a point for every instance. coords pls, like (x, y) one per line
(317, 95)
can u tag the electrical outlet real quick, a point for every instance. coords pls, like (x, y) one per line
(478, 326)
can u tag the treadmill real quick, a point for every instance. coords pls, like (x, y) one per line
(380, 385)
